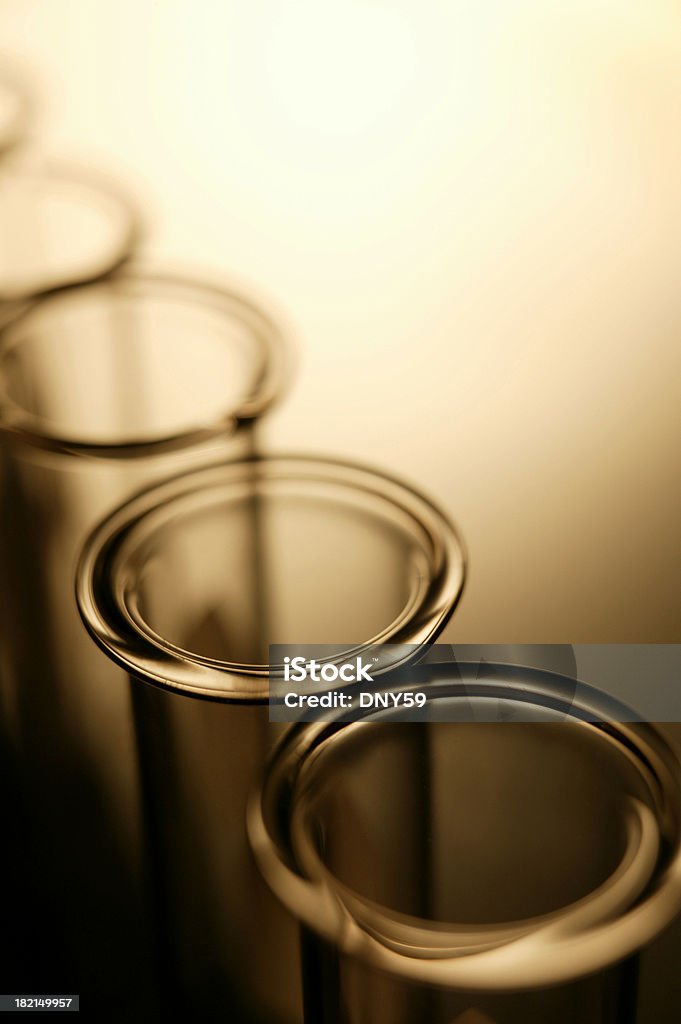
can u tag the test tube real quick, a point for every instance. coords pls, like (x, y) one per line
(550, 857)
(341, 555)
(103, 389)
(60, 225)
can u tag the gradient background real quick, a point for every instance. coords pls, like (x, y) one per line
(469, 213)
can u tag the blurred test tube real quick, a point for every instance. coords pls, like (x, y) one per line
(60, 225)
(104, 388)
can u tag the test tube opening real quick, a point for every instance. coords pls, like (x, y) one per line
(63, 226)
(511, 856)
(136, 364)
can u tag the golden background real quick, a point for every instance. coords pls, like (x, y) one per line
(469, 215)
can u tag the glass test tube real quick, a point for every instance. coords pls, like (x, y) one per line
(60, 225)
(339, 555)
(103, 389)
(539, 851)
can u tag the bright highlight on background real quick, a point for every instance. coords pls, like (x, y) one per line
(470, 210)
(338, 68)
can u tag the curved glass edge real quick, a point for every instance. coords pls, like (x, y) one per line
(103, 191)
(145, 655)
(640, 899)
(269, 380)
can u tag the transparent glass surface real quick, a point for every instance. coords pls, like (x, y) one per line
(171, 586)
(500, 847)
(439, 868)
(80, 430)
(186, 586)
(59, 226)
(334, 569)
(136, 362)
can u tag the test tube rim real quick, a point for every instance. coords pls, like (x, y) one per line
(269, 377)
(150, 658)
(100, 189)
(322, 909)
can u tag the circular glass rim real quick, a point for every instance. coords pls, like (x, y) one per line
(268, 379)
(103, 572)
(589, 935)
(98, 189)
